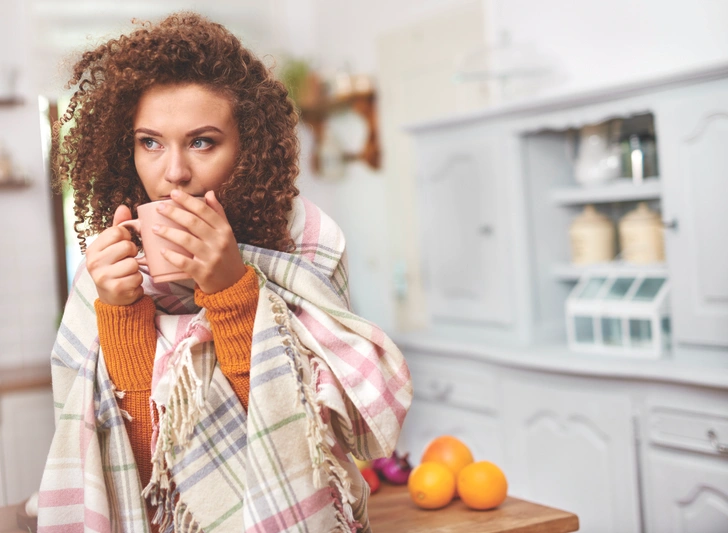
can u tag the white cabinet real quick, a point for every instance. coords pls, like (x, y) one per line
(454, 400)
(499, 195)
(26, 431)
(688, 494)
(626, 449)
(693, 128)
(464, 206)
(686, 469)
(573, 448)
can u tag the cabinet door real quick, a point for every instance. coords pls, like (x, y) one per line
(688, 493)
(453, 397)
(573, 449)
(692, 136)
(685, 462)
(26, 431)
(464, 213)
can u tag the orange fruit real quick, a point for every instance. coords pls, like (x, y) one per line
(482, 485)
(449, 451)
(431, 485)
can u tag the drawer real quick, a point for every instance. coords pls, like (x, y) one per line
(688, 430)
(459, 383)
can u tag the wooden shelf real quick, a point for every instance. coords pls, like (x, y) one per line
(11, 102)
(622, 190)
(364, 103)
(14, 184)
(571, 273)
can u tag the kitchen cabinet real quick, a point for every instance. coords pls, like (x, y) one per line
(621, 443)
(454, 401)
(498, 196)
(465, 226)
(686, 468)
(26, 429)
(585, 436)
(693, 137)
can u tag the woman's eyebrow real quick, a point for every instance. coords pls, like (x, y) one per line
(203, 129)
(147, 131)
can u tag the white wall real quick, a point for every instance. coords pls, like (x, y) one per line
(598, 42)
(588, 44)
(28, 302)
(591, 42)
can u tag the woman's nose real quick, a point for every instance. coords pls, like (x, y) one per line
(178, 169)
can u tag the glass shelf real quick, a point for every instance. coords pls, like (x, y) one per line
(622, 190)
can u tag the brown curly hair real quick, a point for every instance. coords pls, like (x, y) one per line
(96, 156)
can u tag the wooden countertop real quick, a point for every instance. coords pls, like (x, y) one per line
(25, 377)
(392, 511)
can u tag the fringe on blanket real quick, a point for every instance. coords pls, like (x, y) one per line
(176, 422)
(326, 468)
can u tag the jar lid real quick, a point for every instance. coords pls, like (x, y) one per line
(641, 213)
(591, 216)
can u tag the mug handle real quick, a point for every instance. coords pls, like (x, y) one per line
(135, 225)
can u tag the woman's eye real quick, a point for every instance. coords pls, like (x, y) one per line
(150, 144)
(200, 144)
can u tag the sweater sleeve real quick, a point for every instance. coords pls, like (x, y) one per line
(128, 339)
(231, 313)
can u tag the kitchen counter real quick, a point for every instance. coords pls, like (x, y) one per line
(392, 511)
(26, 377)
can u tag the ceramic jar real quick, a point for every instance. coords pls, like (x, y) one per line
(599, 160)
(641, 236)
(592, 237)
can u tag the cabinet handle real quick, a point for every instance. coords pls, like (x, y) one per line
(670, 224)
(440, 392)
(720, 448)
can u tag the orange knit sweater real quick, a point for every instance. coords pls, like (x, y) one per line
(128, 339)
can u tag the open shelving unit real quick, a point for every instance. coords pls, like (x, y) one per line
(555, 199)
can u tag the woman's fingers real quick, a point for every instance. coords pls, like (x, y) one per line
(195, 214)
(126, 270)
(215, 204)
(122, 214)
(109, 248)
(189, 242)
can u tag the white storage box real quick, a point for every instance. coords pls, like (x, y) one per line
(620, 311)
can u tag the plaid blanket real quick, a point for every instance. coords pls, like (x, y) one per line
(324, 384)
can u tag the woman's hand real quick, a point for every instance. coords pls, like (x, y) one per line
(110, 261)
(215, 264)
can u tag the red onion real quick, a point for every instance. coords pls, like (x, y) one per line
(394, 469)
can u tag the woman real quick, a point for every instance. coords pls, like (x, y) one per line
(231, 401)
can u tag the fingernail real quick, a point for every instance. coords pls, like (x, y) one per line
(155, 228)
(175, 193)
(161, 207)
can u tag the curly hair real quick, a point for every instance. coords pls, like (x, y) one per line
(96, 156)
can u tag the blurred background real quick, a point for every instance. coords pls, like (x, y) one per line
(462, 146)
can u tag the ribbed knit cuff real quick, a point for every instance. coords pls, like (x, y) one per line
(231, 313)
(128, 339)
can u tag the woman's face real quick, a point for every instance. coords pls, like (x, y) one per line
(185, 137)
